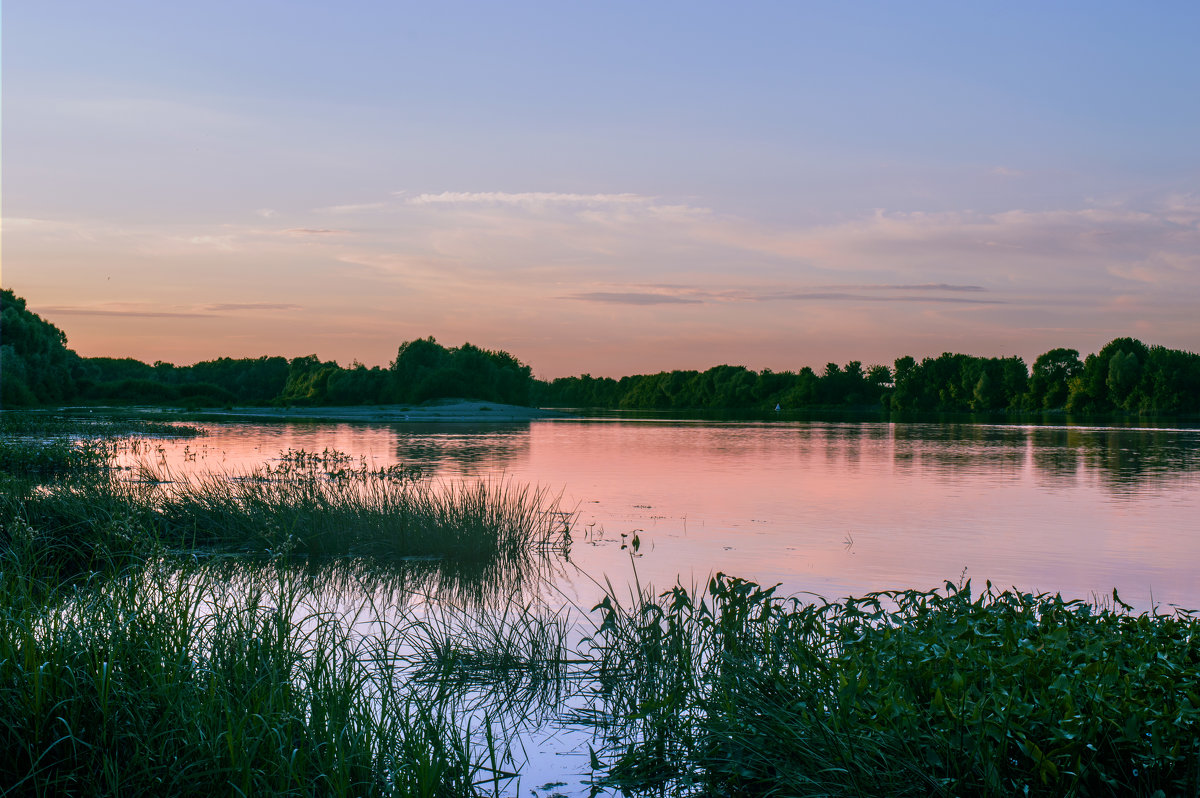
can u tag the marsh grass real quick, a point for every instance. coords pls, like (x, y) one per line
(739, 692)
(180, 679)
(51, 458)
(494, 532)
(370, 514)
(509, 660)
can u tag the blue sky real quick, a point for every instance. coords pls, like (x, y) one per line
(605, 188)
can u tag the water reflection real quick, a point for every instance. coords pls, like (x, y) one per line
(1131, 459)
(1077, 509)
(466, 448)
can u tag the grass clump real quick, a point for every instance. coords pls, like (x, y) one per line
(740, 692)
(376, 514)
(303, 507)
(177, 679)
(53, 458)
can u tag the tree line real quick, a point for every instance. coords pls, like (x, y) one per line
(1125, 376)
(37, 367)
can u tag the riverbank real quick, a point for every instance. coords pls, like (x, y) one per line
(440, 411)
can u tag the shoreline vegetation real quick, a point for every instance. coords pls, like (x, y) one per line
(213, 637)
(1125, 378)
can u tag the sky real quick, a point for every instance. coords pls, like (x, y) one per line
(605, 188)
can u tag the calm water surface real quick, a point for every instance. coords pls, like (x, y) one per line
(834, 509)
(829, 508)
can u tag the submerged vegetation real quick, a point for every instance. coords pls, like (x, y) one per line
(1125, 376)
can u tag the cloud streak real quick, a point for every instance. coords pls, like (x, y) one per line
(67, 310)
(697, 296)
(632, 298)
(526, 199)
(844, 297)
(315, 231)
(239, 306)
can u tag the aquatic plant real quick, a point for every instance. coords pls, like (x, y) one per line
(46, 459)
(197, 679)
(304, 507)
(740, 692)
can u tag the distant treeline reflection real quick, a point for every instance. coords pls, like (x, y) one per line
(1125, 376)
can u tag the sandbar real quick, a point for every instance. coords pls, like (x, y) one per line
(456, 411)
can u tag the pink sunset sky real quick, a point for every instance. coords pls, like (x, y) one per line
(610, 189)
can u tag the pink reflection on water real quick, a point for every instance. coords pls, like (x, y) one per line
(834, 509)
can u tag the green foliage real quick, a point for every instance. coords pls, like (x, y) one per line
(308, 380)
(1126, 375)
(182, 679)
(36, 367)
(897, 693)
(1051, 377)
(424, 370)
(723, 387)
(953, 382)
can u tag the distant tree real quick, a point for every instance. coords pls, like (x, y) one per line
(308, 380)
(1052, 373)
(38, 368)
(424, 369)
(1110, 379)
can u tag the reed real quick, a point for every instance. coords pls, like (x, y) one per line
(178, 679)
(740, 692)
(53, 458)
(104, 520)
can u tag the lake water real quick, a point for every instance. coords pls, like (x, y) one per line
(834, 509)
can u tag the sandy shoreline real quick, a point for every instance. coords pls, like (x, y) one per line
(443, 411)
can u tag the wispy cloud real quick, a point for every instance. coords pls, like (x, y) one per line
(695, 296)
(813, 296)
(224, 243)
(630, 298)
(921, 287)
(149, 114)
(70, 310)
(315, 231)
(238, 306)
(140, 311)
(1007, 171)
(528, 198)
(359, 207)
(682, 294)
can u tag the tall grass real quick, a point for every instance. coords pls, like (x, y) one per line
(739, 692)
(51, 458)
(310, 514)
(172, 679)
(103, 519)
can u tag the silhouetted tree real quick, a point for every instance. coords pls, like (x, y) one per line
(36, 367)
